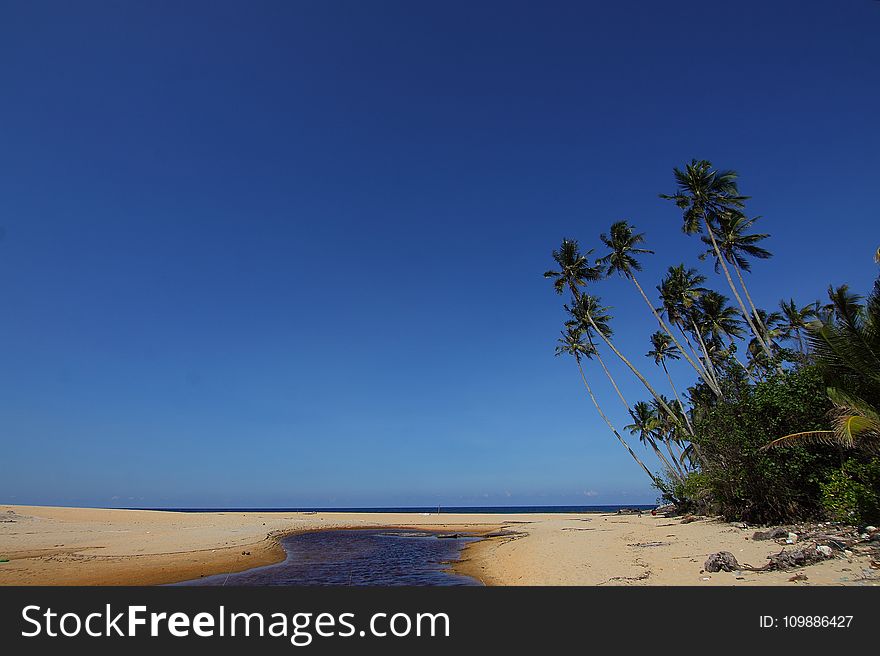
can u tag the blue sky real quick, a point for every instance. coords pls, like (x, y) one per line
(290, 253)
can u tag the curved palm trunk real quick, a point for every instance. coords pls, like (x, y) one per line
(742, 282)
(674, 471)
(632, 368)
(681, 473)
(745, 368)
(611, 426)
(677, 398)
(709, 364)
(757, 316)
(713, 384)
(688, 342)
(611, 378)
(733, 288)
(657, 451)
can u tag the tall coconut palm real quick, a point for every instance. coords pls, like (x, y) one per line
(679, 291)
(669, 429)
(719, 319)
(589, 305)
(736, 246)
(706, 196)
(590, 320)
(774, 330)
(719, 322)
(647, 425)
(575, 269)
(796, 320)
(574, 272)
(571, 343)
(624, 244)
(663, 348)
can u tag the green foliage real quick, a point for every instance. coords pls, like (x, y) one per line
(747, 482)
(691, 494)
(852, 493)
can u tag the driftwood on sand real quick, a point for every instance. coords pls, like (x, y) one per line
(724, 561)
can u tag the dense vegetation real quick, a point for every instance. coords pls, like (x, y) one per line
(781, 419)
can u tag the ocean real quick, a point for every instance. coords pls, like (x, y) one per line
(431, 509)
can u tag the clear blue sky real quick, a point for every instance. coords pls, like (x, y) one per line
(290, 253)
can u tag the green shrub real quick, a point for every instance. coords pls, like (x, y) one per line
(690, 495)
(742, 481)
(852, 493)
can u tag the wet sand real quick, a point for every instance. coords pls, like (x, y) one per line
(82, 546)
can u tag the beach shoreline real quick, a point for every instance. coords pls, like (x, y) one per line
(86, 546)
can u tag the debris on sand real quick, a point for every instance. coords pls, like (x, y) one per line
(723, 561)
(772, 534)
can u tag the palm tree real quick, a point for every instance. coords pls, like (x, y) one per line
(679, 291)
(573, 269)
(647, 425)
(589, 305)
(669, 429)
(796, 319)
(624, 244)
(571, 343)
(707, 196)
(846, 348)
(663, 348)
(719, 321)
(736, 246)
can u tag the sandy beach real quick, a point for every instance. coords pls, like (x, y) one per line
(82, 546)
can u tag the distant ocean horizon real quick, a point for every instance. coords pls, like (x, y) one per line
(429, 509)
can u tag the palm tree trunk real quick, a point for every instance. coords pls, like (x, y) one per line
(681, 473)
(745, 368)
(677, 398)
(657, 451)
(687, 341)
(611, 426)
(713, 384)
(662, 458)
(611, 378)
(765, 332)
(710, 366)
(635, 371)
(742, 306)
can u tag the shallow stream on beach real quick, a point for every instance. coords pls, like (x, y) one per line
(357, 557)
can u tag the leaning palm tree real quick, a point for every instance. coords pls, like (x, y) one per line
(846, 348)
(622, 259)
(720, 321)
(707, 196)
(679, 291)
(721, 324)
(589, 305)
(669, 429)
(796, 320)
(575, 272)
(662, 349)
(736, 246)
(646, 424)
(572, 343)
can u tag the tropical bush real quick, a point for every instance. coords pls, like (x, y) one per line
(744, 480)
(851, 493)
